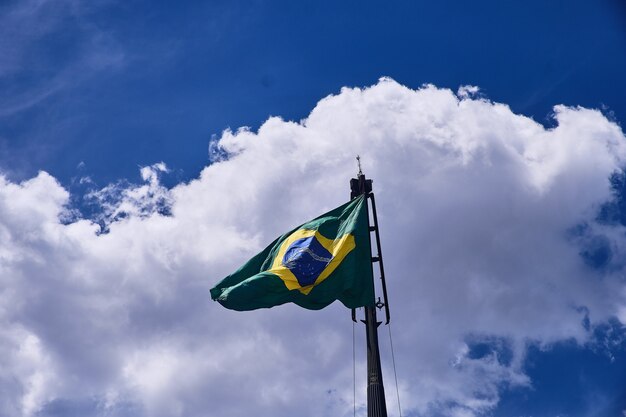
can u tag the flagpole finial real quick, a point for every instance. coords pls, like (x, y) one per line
(358, 161)
(360, 185)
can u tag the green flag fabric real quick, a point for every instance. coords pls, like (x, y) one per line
(321, 261)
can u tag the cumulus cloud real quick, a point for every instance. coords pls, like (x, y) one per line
(122, 199)
(484, 214)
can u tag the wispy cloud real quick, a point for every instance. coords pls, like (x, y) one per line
(35, 66)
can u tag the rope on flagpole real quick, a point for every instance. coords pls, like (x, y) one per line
(393, 360)
(353, 371)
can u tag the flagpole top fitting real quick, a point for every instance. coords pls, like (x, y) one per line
(360, 185)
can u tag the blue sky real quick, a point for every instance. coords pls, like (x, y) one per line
(119, 103)
(151, 77)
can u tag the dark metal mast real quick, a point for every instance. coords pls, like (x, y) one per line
(376, 406)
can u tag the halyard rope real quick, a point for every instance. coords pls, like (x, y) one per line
(353, 371)
(395, 374)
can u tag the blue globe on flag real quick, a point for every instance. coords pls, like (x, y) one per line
(306, 258)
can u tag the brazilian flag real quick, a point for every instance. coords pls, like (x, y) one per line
(321, 261)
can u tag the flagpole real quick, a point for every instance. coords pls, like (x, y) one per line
(376, 406)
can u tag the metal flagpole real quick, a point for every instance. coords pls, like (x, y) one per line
(376, 406)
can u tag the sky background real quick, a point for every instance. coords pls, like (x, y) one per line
(148, 149)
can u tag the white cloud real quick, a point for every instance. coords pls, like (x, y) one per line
(121, 199)
(476, 206)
